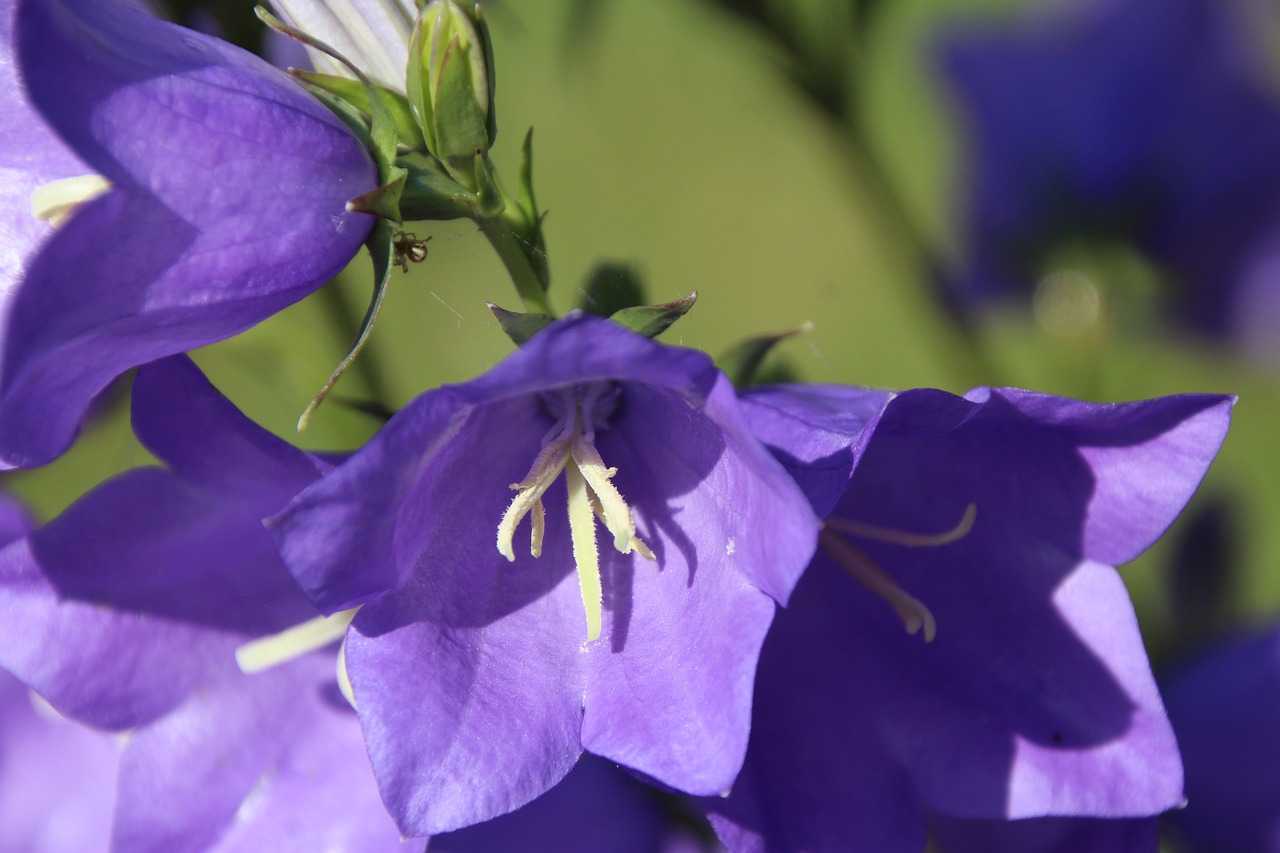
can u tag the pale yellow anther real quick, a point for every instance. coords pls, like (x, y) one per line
(266, 652)
(546, 467)
(56, 201)
(613, 508)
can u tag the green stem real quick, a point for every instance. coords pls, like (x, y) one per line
(514, 251)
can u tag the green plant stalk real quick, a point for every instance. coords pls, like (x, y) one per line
(514, 254)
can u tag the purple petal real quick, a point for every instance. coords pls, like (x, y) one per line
(818, 432)
(670, 695)
(203, 438)
(103, 667)
(57, 779)
(478, 711)
(266, 762)
(230, 184)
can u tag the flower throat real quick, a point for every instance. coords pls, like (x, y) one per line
(570, 447)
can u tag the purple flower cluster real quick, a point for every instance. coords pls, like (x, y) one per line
(577, 603)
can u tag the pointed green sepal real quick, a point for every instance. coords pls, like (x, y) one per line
(653, 320)
(526, 203)
(610, 288)
(382, 250)
(742, 361)
(408, 134)
(383, 201)
(431, 194)
(520, 327)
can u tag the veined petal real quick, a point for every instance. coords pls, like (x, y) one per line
(373, 34)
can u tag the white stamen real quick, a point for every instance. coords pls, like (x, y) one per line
(56, 201)
(266, 652)
(582, 531)
(546, 467)
(906, 538)
(914, 614)
(591, 495)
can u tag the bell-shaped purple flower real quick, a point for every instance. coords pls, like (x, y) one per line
(1225, 707)
(989, 524)
(228, 186)
(127, 612)
(481, 666)
(1148, 123)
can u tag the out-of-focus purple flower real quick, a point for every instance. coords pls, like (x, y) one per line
(57, 779)
(475, 688)
(1225, 707)
(1035, 697)
(595, 808)
(227, 203)
(1151, 123)
(126, 612)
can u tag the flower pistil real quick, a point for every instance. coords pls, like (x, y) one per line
(915, 615)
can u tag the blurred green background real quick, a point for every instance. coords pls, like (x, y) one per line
(667, 138)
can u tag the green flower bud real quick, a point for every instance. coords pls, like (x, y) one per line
(450, 85)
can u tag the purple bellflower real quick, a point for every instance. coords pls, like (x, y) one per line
(481, 666)
(1225, 707)
(1151, 123)
(989, 524)
(130, 610)
(228, 185)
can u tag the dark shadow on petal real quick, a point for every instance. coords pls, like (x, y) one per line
(617, 574)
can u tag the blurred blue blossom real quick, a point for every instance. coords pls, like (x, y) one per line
(1225, 707)
(1139, 136)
